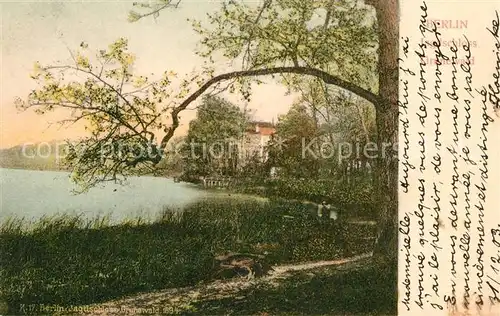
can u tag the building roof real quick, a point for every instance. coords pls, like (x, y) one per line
(262, 124)
(261, 127)
(267, 131)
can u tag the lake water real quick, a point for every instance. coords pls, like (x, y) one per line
(33, 194)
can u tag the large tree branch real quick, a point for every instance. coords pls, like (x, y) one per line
(156, 11)
(324, 76)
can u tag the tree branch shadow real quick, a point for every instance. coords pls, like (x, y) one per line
(360, 289)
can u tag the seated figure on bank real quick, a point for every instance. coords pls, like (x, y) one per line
(327, 211)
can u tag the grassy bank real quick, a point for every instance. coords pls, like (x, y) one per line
(355, 198)
(71, 261)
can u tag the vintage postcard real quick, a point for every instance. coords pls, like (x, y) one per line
(249, 157)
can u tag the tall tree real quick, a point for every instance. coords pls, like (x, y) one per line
(335, 41)
(294, 129)
(386, 245)
(212, 141)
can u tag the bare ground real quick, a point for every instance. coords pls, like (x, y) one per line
(214, 295)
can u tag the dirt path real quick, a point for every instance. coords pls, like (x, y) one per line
(178, 299)
(283, 269)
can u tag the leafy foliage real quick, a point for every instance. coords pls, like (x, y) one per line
(336, 36)
(212, 143)
(293, 130)
(121, 111)
(124, 111)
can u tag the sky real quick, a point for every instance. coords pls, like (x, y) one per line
(46, 31)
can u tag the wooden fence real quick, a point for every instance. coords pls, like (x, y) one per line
(216, 182)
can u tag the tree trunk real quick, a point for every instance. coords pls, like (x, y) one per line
(386, 168)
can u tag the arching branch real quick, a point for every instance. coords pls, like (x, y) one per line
(324, 76)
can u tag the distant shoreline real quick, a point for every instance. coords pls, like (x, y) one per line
(69, 171)
(32, 169)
